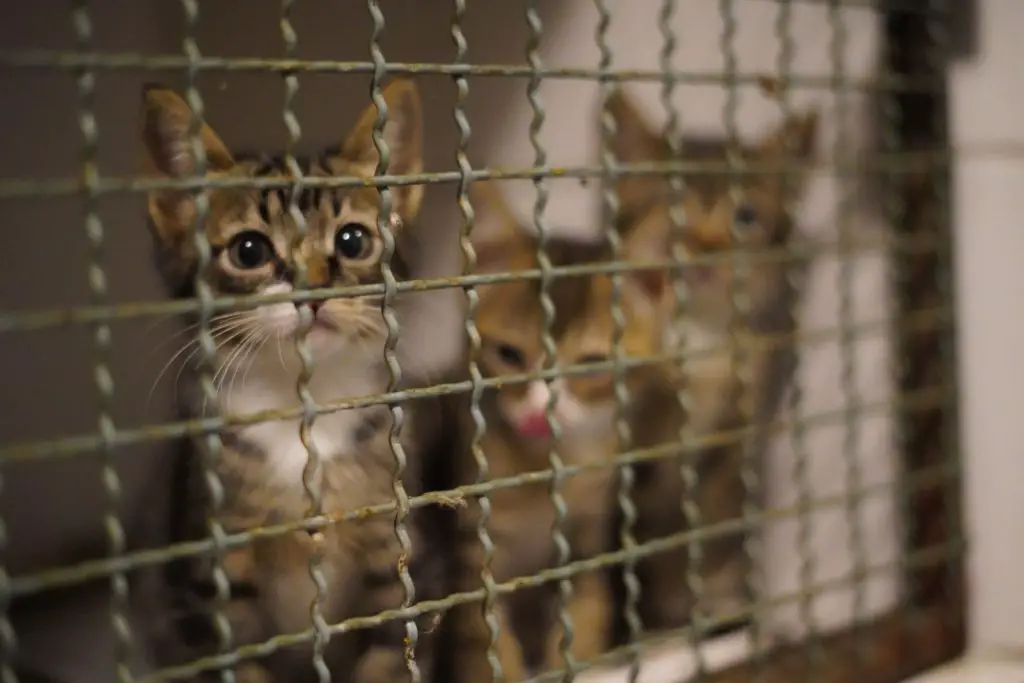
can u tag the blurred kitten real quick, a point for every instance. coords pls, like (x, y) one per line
(518, 439)
(732, 370)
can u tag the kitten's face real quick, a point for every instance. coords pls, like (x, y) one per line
(720, 216)
(254, 234)
(510, 322)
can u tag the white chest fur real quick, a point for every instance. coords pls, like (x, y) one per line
(271, 387)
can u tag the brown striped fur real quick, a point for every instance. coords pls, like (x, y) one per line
(718, 210)
(261, 468)
(510, 320)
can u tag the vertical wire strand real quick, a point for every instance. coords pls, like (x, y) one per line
(562, 550)
(87, 124)
(848, 361)
(624, 435)
(801, 474)
(473, 337)
(312, 472)
(740, 318)
(895, 210)
(677, 214)
(938, 20)
(393, 329)
(8, 636)
(212, 445)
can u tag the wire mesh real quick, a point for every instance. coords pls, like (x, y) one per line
(342, 641)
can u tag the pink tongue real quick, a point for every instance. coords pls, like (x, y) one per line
(535, 426)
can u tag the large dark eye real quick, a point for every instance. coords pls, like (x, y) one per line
(745, 215)
(511, 355)
(353, 241)
(250, 250)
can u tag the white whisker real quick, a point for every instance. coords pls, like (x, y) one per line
(226, 364)
(254, 351)
(177, 354)
(243, 352)
(280, 352)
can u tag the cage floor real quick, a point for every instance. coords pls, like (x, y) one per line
(676, 661)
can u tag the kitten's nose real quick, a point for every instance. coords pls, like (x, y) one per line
(314, 306)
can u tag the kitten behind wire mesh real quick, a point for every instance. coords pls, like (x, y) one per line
(724, 388)
(256, 247)
(518, 439)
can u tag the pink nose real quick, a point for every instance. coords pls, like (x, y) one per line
(534, 426)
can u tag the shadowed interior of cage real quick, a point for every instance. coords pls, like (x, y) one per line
(926, 626)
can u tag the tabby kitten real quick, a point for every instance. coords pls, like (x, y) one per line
(715, 216)
(254, 249)
(518, 438)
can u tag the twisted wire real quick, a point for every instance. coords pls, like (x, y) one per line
(562, 549)
(312, 471)
(938, 25)
(86, 82)
(623, 432)
(677, 214)
(801, 475)
(33, 584)
(847, 349)
(212, 446)
(740, 318)
(490, 601)
(391, 341)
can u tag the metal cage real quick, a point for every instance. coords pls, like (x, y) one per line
(911, 161)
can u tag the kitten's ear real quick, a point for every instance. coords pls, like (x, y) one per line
(166, 121)
(795, 141)
(166, 126)
(635, 141)
(645, 242)
(403, 135)
(496, 230)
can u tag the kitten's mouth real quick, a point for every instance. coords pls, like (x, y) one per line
(322, 323)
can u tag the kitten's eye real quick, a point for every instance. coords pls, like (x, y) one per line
(353, 241)
(592, 358)
(511, 355)
(745, 215)
(250, 250)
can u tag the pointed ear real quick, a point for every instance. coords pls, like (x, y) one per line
(644, 242)
(166, 126)
(166, 121)
(795, 141)
(634, 141)
(403, 135)
(497, 232)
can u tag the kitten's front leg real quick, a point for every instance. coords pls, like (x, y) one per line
(474, 636)
(591, 612)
